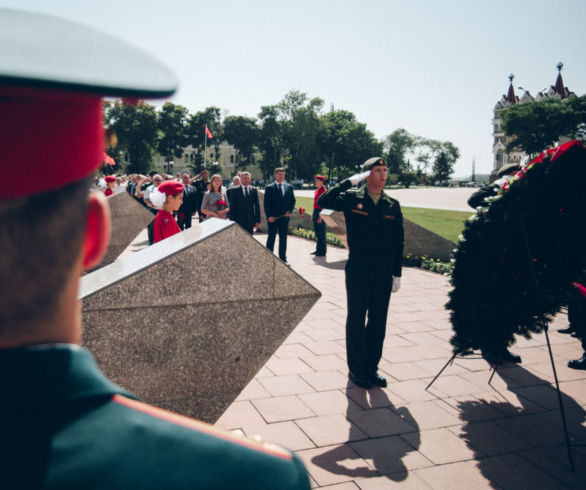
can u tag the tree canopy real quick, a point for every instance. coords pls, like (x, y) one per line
(295, 133)
(534, 126)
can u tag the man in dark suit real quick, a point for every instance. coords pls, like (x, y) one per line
(201, 186)
(244, 206)
(279, 202)
(189, 205)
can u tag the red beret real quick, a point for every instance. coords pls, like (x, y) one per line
(171, 188)
(320, 177)
(110, 178)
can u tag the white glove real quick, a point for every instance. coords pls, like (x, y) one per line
(396, 284)
(358, 177)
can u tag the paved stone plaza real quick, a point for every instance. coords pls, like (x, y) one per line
(462, 433)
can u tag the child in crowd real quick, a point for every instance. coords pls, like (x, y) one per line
(167, 198)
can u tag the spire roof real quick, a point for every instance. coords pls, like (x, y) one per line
(511, 97)
(559, 88)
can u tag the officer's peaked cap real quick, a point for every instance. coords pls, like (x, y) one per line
(53, 75)
(373, 162)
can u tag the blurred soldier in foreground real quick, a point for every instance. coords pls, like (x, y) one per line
(63, 423)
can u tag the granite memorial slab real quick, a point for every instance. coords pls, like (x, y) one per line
(296, 220)
(186, 323)
(129, 217)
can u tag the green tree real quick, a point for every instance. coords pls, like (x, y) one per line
(397, 146)
(171, 121)
(534, 126)
(347, 143)
(271, 139)
(243, 133)
(302, 133)
(449, 154)
(135, 127)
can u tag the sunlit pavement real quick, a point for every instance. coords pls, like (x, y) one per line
(461, 433)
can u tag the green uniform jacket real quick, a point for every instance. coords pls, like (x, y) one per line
(65, 425)
(375, 233)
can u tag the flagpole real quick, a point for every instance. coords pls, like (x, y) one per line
(205, 146)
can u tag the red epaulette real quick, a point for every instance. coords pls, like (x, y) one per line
(203, 427)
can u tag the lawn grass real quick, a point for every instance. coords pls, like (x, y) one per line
(448, 224)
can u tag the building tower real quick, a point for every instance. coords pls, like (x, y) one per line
(500, 141)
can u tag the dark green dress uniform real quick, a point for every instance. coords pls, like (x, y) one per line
(375, 239)
(65, 425)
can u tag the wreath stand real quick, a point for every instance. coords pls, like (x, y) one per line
(539, 295)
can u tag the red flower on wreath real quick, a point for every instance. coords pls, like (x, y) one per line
(301, 210)
(581, 289)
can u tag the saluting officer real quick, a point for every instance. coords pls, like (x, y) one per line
(63, 423)
(374, 226)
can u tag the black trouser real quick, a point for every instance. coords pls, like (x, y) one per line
(185, 223)
(368, 291)
(577, 315)
(150, 226)
(280, 226)
(320, 233)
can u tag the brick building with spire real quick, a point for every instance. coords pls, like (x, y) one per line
(500, 140)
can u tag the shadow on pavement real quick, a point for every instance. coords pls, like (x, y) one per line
(517, 436)
(338, 265)
(386, 453)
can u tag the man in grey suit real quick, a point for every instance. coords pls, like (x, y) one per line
(279, 202)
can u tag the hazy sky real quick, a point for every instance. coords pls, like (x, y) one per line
(433, 67)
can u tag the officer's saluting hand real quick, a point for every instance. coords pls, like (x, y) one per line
(374, 226)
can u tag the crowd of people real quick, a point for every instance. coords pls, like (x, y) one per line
(188, 197)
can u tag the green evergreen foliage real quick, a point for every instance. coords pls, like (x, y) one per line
(518, 256)
(539, 124)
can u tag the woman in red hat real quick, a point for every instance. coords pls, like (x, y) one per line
(110, 184)
(167, 198)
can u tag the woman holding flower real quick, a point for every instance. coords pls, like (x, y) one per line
(215, 201)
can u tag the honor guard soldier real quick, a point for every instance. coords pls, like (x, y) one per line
(63, 423)
(374, 226)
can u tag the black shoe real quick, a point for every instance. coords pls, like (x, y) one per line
(574, 334)
(313, 253)
(362, 383)
(568, 329)
(320, 255)
(578, 363)
(378, 380)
